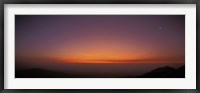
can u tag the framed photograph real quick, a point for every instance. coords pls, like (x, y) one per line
(99, 45)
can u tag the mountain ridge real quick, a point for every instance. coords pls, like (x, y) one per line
(161, 72)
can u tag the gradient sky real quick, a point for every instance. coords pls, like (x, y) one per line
(100, 38)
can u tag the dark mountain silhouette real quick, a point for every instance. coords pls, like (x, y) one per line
(165, 72)
(42, 73)
(161, 72)
(39, 73)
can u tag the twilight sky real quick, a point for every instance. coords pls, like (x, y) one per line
(100, 38)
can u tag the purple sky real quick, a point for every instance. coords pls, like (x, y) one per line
(62, 42)
(100, 37)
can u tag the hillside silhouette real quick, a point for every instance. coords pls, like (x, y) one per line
(161, 72)
(39, 73)
(43, 73)
(165, 72)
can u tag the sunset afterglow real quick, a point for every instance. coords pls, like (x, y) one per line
(75, 43)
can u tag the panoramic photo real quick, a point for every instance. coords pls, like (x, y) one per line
(99, 46)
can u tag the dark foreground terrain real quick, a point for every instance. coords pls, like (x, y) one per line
(161, 72)
(165, 72)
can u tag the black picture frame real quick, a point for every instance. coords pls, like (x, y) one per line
(2, 2)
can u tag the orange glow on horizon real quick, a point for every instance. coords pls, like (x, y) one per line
(98, 51)
(114, 60)
(100, 57)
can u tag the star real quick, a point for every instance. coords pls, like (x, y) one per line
(160, 28)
